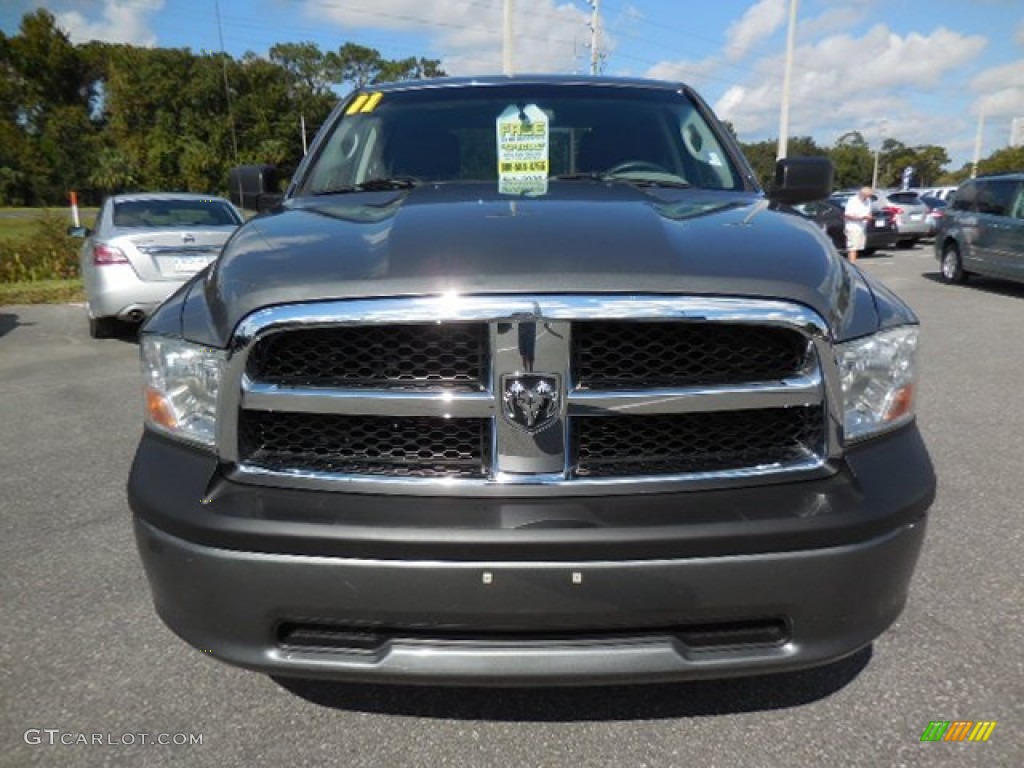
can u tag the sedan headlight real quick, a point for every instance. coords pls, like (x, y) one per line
(181, 381)
(878, 375)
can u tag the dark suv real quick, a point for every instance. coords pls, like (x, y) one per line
(527, 381)
(983, 230)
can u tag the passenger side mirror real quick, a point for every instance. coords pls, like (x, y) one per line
(801, 180)
(254, 187)
(79, 231)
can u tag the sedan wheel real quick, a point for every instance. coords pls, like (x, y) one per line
(952, 268)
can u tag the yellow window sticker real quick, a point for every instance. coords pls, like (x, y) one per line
(523, 150)
(356, 105)
(364, 102)
(372, 102)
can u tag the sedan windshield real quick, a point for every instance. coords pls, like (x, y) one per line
(520, 136)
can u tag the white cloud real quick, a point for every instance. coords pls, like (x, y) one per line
(845, 82)
(120, 21)
(760, 21)
(1001, 90)
(833, 20)
(694, 73)
(549, 37)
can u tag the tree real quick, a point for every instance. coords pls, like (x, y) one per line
(926, 160)
(47, 70)
(359, 66)
(408, 69)
(113, 171)
(929, 162)
(356, 64)
(730, 128)
(309, 70)
(66, 145)
(852, 159)
(1006, 160)
(763, 154)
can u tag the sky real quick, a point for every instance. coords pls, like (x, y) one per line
(919, 71)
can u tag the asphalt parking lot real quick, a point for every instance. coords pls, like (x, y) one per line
(85, 654)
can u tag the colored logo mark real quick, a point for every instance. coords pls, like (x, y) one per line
(958, 730)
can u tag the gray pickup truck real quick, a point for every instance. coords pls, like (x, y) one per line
(527, 381)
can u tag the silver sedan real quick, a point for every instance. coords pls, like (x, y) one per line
(144, 246)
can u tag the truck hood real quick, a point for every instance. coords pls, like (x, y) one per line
(581, 237)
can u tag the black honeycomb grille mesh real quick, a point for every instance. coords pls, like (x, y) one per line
(452, 355)
(643, 355)
(364, 445)
(613, 446)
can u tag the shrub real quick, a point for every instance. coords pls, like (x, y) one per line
(49, 254)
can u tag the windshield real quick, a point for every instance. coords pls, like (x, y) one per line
(520, 136)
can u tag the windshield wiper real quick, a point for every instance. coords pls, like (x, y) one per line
(667, 183)
(625, 178)
(372, 185)
(580, 177)
(397, 182)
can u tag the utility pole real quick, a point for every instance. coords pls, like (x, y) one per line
(227, 88)
(509, 38)
(595, 35)
(784, 115)
(977, 144)
(302, 124)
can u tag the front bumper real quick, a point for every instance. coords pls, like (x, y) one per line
(577, 591)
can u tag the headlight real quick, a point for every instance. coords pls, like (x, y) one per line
(181, 381)
(878, 374)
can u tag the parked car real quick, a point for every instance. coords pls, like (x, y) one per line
(911, 214)
(983, 230)
(942, 193)
(881, 232)
(527, 381)
(827, 215)
(144, 247)
(936, 210)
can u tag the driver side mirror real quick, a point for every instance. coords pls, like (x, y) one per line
(254, 187)
(79, 231)
(801, 180)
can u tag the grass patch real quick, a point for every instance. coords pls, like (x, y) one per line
(20, 224)
(42, 292)
(21, 228)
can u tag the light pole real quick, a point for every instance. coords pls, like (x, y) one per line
(595, 35)
(977, 144)
(509, 37)
(881, 138)
(227, 88)
(784, 115)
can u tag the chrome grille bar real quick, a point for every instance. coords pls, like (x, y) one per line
(379, 402)
(804, 390)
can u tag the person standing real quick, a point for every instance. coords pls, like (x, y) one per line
(857, 215)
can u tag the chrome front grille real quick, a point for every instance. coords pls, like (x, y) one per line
(642, 394)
